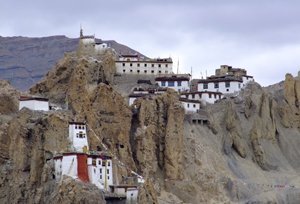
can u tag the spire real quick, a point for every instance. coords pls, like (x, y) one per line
(81, 32)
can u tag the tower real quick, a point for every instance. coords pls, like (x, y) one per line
(78, 136)
(81, 32)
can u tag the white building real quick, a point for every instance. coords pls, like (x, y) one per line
(203, 96)
(226, 80)
(96, 169)
(34, 103)
(223, 85)
(100, 171)
(133, 64)
(190, 106)
(129, 191)
(177, 82)
(100, 46)
(78, 136)
(141, 92)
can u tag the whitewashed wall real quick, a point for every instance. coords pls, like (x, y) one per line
(34, 105)
(142, 69)
(78, 143)
(190, 107)
(234, 87)
(69, 166)
(131, 195)
(183, 87)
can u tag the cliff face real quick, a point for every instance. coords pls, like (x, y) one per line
(248, 152)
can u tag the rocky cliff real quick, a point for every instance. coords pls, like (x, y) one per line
(247, 152)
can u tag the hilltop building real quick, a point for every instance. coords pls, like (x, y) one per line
(177, 82)
(226, 80)
(89, 42)
(143, 92)
(34, 103)
(135, 64)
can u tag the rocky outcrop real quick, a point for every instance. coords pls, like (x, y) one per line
(8, 98)
(72, 191)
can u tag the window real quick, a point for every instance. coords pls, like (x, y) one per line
(194, 105)
(131, 64)
(171, 83)
(75, 126)
(159, 72)
(227, 84)
(163, 83)
(239, 85)
(123, 64)
(166, 65)
(178, 83)
(188, 105)
(108, 177)
(81, 134)
(159, 65)
(124, 70)
(152, 65)
(77, 135)
(100, 176)
(205, 86)
(100, 171)
(227, 90)
(94, 162)
(193, 96)
(145, 71)
(145, 65)
(138, 71)
(138, 64)
(103, 163)
(216, 85)
(99, 163)
(152, 71)
(209, 95)
(131, 70)
(107, 171)
(108, 163)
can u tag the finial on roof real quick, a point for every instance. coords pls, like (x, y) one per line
(81, 32)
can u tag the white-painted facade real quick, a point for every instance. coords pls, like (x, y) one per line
(78, 136)
(141, 66)
(34, 104)
(100, 46)
(131, 195)
(190, 106)
(177, 83)
(247, 79)
(66, 165)
(100, 172)
(225, 87)
(88, 40)
(204, 97)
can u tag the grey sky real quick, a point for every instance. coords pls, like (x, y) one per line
(262, 36)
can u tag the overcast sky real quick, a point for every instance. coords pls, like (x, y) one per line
(262, 36)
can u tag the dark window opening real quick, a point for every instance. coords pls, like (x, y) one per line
(205, 86)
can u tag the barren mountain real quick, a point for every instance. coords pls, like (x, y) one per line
(24, 61)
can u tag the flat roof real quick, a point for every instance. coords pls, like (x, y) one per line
(76, 123)
(172, 78)
(32, 98)
(219, 80)
(188, 100)
(202, 92)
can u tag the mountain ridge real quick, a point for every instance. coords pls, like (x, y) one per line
(25, 60)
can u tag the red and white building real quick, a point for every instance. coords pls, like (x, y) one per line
(96, 169)
(190, 106)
